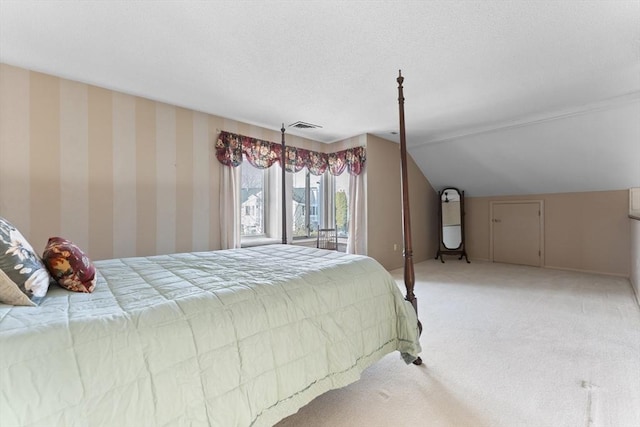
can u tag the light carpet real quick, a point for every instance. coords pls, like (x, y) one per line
(503, 345)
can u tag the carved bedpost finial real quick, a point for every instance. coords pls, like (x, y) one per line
(400, 79)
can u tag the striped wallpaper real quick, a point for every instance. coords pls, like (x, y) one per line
(117, 174)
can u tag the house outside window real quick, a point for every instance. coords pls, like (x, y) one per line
(252, 198)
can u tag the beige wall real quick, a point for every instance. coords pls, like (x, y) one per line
(117, 174)
(384, 209)
(586, 231)
(634, 224)
(125, 176)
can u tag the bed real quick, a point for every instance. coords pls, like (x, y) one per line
(228, 338)
(238, 337)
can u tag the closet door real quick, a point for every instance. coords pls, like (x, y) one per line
(516, 232)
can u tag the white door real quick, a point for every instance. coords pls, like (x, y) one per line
(516, 232)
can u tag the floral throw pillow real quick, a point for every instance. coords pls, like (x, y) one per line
(24, 280)
(69, 266)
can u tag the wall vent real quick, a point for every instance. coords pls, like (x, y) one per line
(304, 125)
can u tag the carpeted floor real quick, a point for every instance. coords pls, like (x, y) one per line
(503, 346)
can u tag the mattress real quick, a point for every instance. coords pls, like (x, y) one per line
(241, 337)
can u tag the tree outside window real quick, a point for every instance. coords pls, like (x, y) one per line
(342, 204)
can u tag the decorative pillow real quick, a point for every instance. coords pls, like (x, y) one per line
(69, 266)
(24, 280)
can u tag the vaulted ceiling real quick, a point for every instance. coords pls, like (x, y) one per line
(502, 97)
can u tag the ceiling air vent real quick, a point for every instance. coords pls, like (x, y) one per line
(304, 125)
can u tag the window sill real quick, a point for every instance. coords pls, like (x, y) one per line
(304, 241)
(258, 241)
(341, 240)
(248, 242)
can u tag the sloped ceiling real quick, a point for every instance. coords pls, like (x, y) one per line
(502, 97)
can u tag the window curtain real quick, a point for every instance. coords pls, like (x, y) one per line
(357, 241)
(229, 207)
(230, 148)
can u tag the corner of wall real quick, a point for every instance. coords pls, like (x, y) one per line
(634, 276)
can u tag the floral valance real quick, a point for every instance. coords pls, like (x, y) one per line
(262, 154)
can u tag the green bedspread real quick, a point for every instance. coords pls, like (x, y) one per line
(238, 337)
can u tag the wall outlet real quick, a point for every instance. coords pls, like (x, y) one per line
(395, 247)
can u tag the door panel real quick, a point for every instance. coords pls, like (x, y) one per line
(516, 232)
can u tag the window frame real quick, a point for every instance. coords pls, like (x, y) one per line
(324, 208)
(265, 204)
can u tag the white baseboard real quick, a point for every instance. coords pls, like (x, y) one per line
(578, 270)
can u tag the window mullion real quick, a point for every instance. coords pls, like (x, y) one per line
(307, 202)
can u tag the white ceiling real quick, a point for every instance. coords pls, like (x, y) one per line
(469, 66)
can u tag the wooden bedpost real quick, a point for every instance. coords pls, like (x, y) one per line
(409, 276)
(283, 158)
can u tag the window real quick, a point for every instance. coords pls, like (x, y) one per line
(253, 191)
(319, 202)
(305, 203)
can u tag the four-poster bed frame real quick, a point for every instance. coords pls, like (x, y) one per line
(409, 275)
(284, 198)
